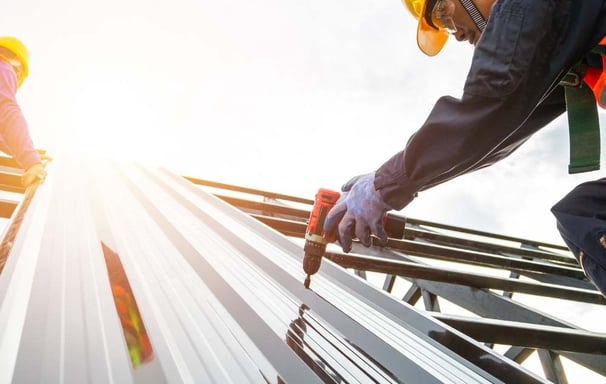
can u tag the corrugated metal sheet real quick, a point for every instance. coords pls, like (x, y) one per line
(136, 275)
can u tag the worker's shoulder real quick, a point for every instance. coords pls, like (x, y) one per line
(7, 76)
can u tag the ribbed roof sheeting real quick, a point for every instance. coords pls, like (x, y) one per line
(219, 296)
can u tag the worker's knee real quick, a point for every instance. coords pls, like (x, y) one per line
(594, 272)
(581, 220)
(585, 200)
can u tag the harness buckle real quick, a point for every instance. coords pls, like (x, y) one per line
(574, 77)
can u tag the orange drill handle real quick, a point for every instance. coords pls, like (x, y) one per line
(325, 200)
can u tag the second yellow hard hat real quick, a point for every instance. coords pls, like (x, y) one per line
(21, 54)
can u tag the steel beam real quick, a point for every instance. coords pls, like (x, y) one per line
(527, 335)
(414, 270)
(7, 208)
(534, 253)
(496, 236)
(552, 366)
(490, 305)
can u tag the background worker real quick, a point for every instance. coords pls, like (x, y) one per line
(15, 138)
(523, 49)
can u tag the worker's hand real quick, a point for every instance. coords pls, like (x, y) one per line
(34, 173)
(46, 157)
(359, 211)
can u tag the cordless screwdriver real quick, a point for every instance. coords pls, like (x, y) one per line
(315, 236)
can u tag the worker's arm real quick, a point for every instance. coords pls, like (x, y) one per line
(511, 92)
(359, 212)
(13, 126)
(506, 99)
(431, 157)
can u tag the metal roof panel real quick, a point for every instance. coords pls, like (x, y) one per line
(136, 275)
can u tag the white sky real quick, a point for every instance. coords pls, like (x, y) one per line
(282, 95)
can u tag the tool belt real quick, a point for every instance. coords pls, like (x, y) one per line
(584, 89)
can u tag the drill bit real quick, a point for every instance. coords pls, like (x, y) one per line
(307, 281)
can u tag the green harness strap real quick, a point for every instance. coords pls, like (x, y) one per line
(583, 129)
(583, 122)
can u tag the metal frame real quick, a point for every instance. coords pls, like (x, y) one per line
(550, 269)
(214, 273)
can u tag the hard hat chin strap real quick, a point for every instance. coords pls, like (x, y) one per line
(429, 6)
(475, 14)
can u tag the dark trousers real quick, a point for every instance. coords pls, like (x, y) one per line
(581, 220)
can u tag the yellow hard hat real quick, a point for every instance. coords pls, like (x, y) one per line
(20, 53)
(429, 39)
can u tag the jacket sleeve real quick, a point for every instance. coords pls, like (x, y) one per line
(398, 189)
(13, 126)
(500, 108)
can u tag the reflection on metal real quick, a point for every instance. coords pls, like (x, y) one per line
(14, 225)
(296, 340)
(137, 341)
(218, 288)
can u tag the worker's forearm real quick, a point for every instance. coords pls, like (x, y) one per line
(13, 126)
(15, 133)
(457, 138)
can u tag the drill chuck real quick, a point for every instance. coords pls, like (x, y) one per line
(313, 256)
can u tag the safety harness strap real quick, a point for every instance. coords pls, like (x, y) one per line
(583, 87)
(584, 129)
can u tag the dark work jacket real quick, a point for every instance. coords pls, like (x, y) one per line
(510, 93)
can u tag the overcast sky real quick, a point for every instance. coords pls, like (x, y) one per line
(282, 95)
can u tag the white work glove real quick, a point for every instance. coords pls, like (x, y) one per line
(359, 211)
(34, 173)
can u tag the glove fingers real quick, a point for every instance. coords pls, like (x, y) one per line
(334, 216)
(363, 233)
(378, 230)
(346, 230)
(350, 183)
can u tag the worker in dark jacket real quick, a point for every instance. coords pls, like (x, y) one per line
(15, 138)
(523, 49)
